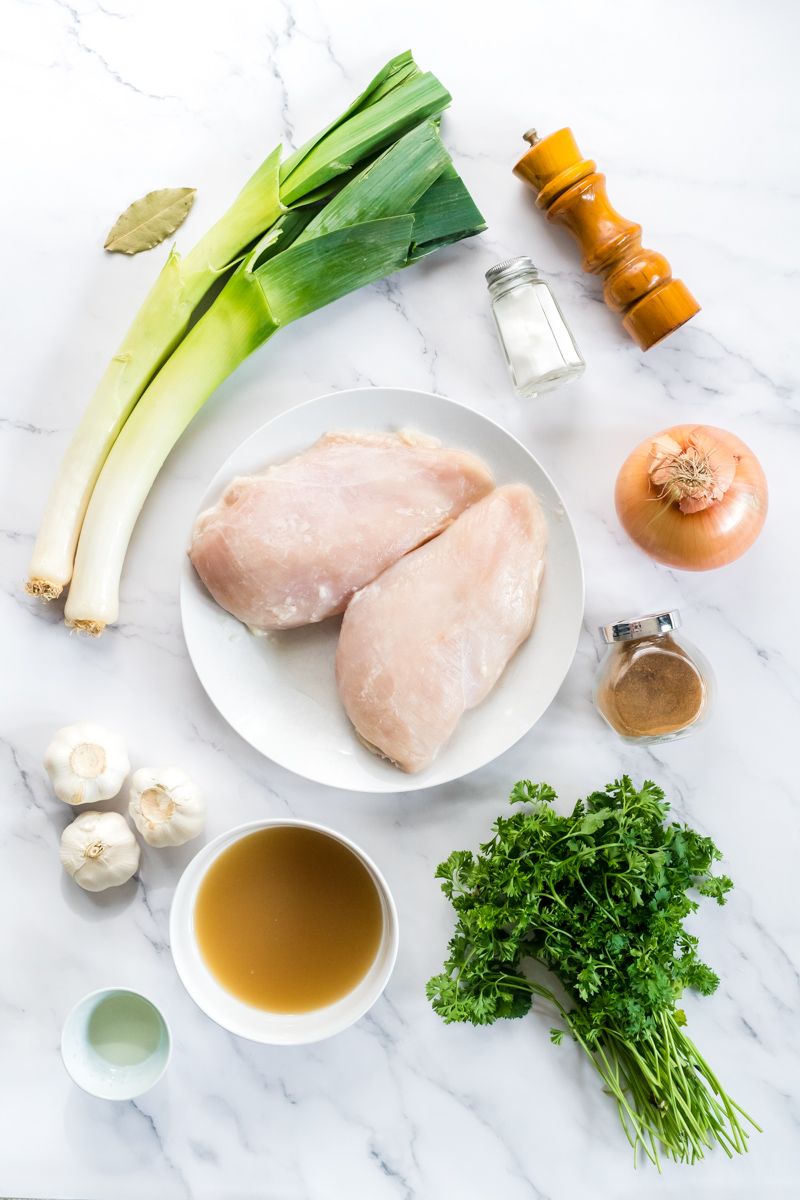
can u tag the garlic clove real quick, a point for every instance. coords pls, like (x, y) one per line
(166, 806)
(98, 850)
(86, 763)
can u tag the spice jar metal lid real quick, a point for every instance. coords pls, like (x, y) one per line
(511, 268)
(636, 627)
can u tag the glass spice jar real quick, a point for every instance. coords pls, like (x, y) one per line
(539, 347)
(652, 685)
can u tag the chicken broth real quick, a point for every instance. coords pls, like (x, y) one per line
(288, 919)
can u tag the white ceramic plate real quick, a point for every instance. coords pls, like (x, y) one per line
(279, 691)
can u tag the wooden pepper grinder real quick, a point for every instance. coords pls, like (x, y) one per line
(638, 282)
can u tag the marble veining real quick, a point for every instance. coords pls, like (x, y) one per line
(692, 110)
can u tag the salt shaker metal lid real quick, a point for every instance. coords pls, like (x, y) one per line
(511, 268)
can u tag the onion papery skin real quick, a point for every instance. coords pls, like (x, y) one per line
(698, 541)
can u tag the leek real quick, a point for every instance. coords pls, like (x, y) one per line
(405, 204)
(395, 101)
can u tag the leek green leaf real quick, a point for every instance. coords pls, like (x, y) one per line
(146, 222)
(312, 274)
(256, 208)
(445, 214)
(393, 74)
(282, 235)
(389, 186)
(368, 130)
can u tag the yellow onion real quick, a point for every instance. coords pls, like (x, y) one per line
(692, 496)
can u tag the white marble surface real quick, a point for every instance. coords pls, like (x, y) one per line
(693, 111)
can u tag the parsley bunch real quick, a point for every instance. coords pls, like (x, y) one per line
(599, 898)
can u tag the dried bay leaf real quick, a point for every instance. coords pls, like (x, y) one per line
(148, 221)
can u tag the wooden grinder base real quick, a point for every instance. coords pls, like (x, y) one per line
(638, 282)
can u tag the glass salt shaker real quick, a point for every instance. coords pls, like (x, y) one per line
(539, 347)
(652, 684)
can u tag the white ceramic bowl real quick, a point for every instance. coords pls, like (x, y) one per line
(96, 1040)
(259, 1025)
(279, 691)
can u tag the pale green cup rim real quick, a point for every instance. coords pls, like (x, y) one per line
(106, 1081)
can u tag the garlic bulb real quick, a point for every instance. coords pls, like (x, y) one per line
(99, 850)
(86, 763)
(166, 806)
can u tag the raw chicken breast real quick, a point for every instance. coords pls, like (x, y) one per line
(432, 635)
(289, 547)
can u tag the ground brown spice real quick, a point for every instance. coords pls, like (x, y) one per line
(655, 688)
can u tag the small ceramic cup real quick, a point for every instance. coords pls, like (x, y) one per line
(260, 1025)
(115, 1044)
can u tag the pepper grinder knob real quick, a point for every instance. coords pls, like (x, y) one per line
(638, 282)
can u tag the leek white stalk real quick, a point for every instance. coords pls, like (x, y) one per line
(157, 329)
(396, 100)
(420, 204)
(187, 379)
